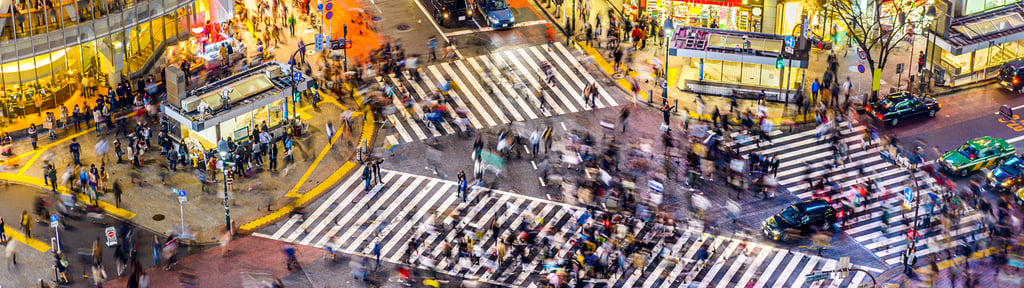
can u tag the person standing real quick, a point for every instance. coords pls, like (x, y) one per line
(461, 192)
(547, 138)
(76, 151)
(3, 232)
(814, 89)
(273, 157)
(376, 171)
(909, 259)
(367, 176)
(534, 142)
(117, 193)
(291, 24)
(32, 135)
(188, 72)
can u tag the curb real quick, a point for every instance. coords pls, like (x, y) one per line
(38, 183)
(259, 223)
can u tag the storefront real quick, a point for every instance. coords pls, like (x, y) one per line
(254, 97)
(971, 48)
(57, 53)
(736, 15)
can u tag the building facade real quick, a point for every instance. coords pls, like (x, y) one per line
(970, 39)
(55, 49)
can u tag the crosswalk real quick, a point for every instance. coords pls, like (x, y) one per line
(734, 262)
(508, 95)
(802, 156)
(355, 222)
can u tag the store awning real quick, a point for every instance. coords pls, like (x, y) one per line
(713, 2)
(980, 31)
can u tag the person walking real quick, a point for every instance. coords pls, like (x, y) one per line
(26, 224)
(32, 135)
(117, 193)
(272, 154)
(814, 89)
(534, 142)
(3, 232)
(291, 24)
(909, 259)
(330, 133)
(76, 151)
(376, 171)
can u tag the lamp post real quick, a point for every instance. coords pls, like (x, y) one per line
(668, 25)
(931, 12)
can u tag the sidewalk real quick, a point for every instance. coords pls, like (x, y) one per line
(150, 203)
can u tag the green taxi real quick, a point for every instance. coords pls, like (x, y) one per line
(976, 154)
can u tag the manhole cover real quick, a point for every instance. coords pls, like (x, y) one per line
(158, 217)
(402, 27)
(580, 37)
(376, 18)
(619, 75)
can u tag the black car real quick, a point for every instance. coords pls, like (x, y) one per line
(800, 217)
(901, 105)
(1011, 75)
(451, 12)
(1007, 175)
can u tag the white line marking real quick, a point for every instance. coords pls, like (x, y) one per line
(488, 29)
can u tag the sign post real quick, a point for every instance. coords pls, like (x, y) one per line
(54, 224)
(1006, 112)
(111, 236)
(908, 196)
(181, 205)
(844, 267)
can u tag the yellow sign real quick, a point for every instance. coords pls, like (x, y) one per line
(877, 82)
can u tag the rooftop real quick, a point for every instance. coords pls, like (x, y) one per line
(987, 26)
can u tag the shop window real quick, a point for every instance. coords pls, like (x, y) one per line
(752, 74)
(731, 72)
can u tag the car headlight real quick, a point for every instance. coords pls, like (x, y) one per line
(445, 15)
(1007, 182)
(495, 21)
(990, 174)
(512, 19)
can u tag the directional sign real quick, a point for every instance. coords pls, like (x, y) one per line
(111, 236)
(53, 221)
(908, 196)
(816, 277)
(297, 77)
(320, 6)
(860, 68)
(790, 41)
(181, 195)
(319, 42)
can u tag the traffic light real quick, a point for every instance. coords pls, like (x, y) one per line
(297, 97)
(778, 63)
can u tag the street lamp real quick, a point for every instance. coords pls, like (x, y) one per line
(931, 12)
(668, 36)
(223, 149)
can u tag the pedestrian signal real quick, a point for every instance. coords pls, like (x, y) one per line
(778, 64)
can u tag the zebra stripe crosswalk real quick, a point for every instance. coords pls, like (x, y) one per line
(802, 156)
(352, 221)
(507, 95)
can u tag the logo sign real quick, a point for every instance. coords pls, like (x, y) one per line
(111, 236)
(53, 221)
(860, 68)
(790, 41)
(863, 55)
(1006, 112)
(329, 14)
(297, 77)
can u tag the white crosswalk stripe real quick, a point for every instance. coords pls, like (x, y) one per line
(355, 221)
(801, 157)
(498, 99)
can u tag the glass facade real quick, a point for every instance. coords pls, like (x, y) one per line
(766, 76)
(52, 51)
(974, 6)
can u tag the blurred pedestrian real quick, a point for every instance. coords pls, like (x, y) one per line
(26, 224)
(3, 232)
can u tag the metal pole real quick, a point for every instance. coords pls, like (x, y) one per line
(664, 71)
(917, 208)
(873, 282)
(227, 211)
(182, 207)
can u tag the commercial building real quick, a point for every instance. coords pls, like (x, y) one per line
(234, 106)
(970, 39)
(738, 63)
(53, 49)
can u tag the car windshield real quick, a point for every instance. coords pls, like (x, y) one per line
(968, 151)
(1012, 166)
(790, 215)
(494, 5)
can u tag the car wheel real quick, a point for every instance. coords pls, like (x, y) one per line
(931, 113)
(784, 237)
(895, 121)
(962, 173)
(826, 226)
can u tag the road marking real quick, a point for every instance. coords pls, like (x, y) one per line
(32, 242)
(1014, 140)
(1014, 108)
(425, 13)
(488, 29)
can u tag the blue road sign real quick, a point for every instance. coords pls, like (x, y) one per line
(319, 42)
(790, 41)
(330, 5)
(53, 218)
(320, 6)
(297, 77)
(907, 194)
(860, 68)
(181, 193)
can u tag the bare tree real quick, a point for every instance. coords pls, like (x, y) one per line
(872, 32)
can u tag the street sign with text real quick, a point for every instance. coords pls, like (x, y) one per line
(908, 196)
(816, 277)
(790, 41)
(53, 221)
(319, 38)
(111, 236)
